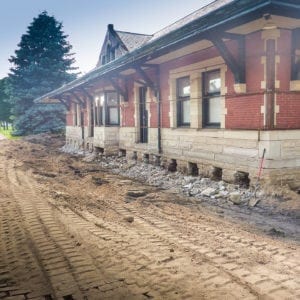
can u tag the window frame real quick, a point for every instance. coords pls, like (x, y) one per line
(206, 96)
(180, 103)
(295, 58)
(98, 117)
(102, 109)
(108, 108)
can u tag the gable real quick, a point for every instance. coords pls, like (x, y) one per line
(118, 43)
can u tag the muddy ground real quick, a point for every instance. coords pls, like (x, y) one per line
(72, 230)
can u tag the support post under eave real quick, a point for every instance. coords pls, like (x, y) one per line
(237, 67)
(158, 97)
(91, 116)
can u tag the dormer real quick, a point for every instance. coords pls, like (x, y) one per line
(117, 43)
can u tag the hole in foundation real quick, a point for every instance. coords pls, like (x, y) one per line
(156, 160)
(193, 169)
(134, 155)
(146, 158)
(99, 150)
(172, 167)
(242, 179)
(48, 297)
(68, 297)
(122, 152)
(216, 174)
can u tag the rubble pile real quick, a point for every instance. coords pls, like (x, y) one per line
(193, 186)
(275, 210)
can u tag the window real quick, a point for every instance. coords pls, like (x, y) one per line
(108, 49)
(212, 99)
(107, 110)
(109, 56)
(295, 54)
(99, 111)
(113, 54)
(183, 101)
(112, 108)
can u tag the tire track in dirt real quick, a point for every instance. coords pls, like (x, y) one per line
(231, 257)
(266, 269)
(147, 263)
(57, 269)
(76, 251)
(272, 275)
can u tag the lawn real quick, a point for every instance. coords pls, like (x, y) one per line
(8, 133)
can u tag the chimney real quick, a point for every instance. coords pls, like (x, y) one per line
(110, 27)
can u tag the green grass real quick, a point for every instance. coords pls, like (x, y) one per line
(8, 133)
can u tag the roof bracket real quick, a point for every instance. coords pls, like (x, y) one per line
(237, 67)
(80, 101)
(65, 103)
(119, 89)
(90, 97)
(145, 77)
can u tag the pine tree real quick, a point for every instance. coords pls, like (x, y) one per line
(4, 104)
(42, 63)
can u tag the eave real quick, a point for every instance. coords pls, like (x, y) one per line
(212, 24)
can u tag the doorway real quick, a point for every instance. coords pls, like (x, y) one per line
(143, 115)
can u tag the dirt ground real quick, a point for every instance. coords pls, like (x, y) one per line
(71, 230)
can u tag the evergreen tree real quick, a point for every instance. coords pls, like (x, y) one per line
(5, 106)
(42, 63)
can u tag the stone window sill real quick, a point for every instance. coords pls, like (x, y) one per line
(295, 85)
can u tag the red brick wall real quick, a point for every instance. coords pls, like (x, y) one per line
(127, 109)
(164, 96)
(289, 110)
(284, 66)
(69, 118)
(153, 111)
(289, 102)
(243, 112)
(254, 67)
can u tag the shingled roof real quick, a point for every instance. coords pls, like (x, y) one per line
(191, 17)
(133, 40)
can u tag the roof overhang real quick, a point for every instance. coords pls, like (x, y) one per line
(224, 19)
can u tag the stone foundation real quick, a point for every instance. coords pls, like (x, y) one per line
(230, 153)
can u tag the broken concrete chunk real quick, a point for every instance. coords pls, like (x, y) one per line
(208, 192)
(125, 182)
(253, 201)
(188, 186)
(235, 197)
(136, 193)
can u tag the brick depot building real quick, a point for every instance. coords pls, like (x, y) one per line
(205, 95)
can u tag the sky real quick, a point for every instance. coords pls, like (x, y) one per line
(85, 22)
